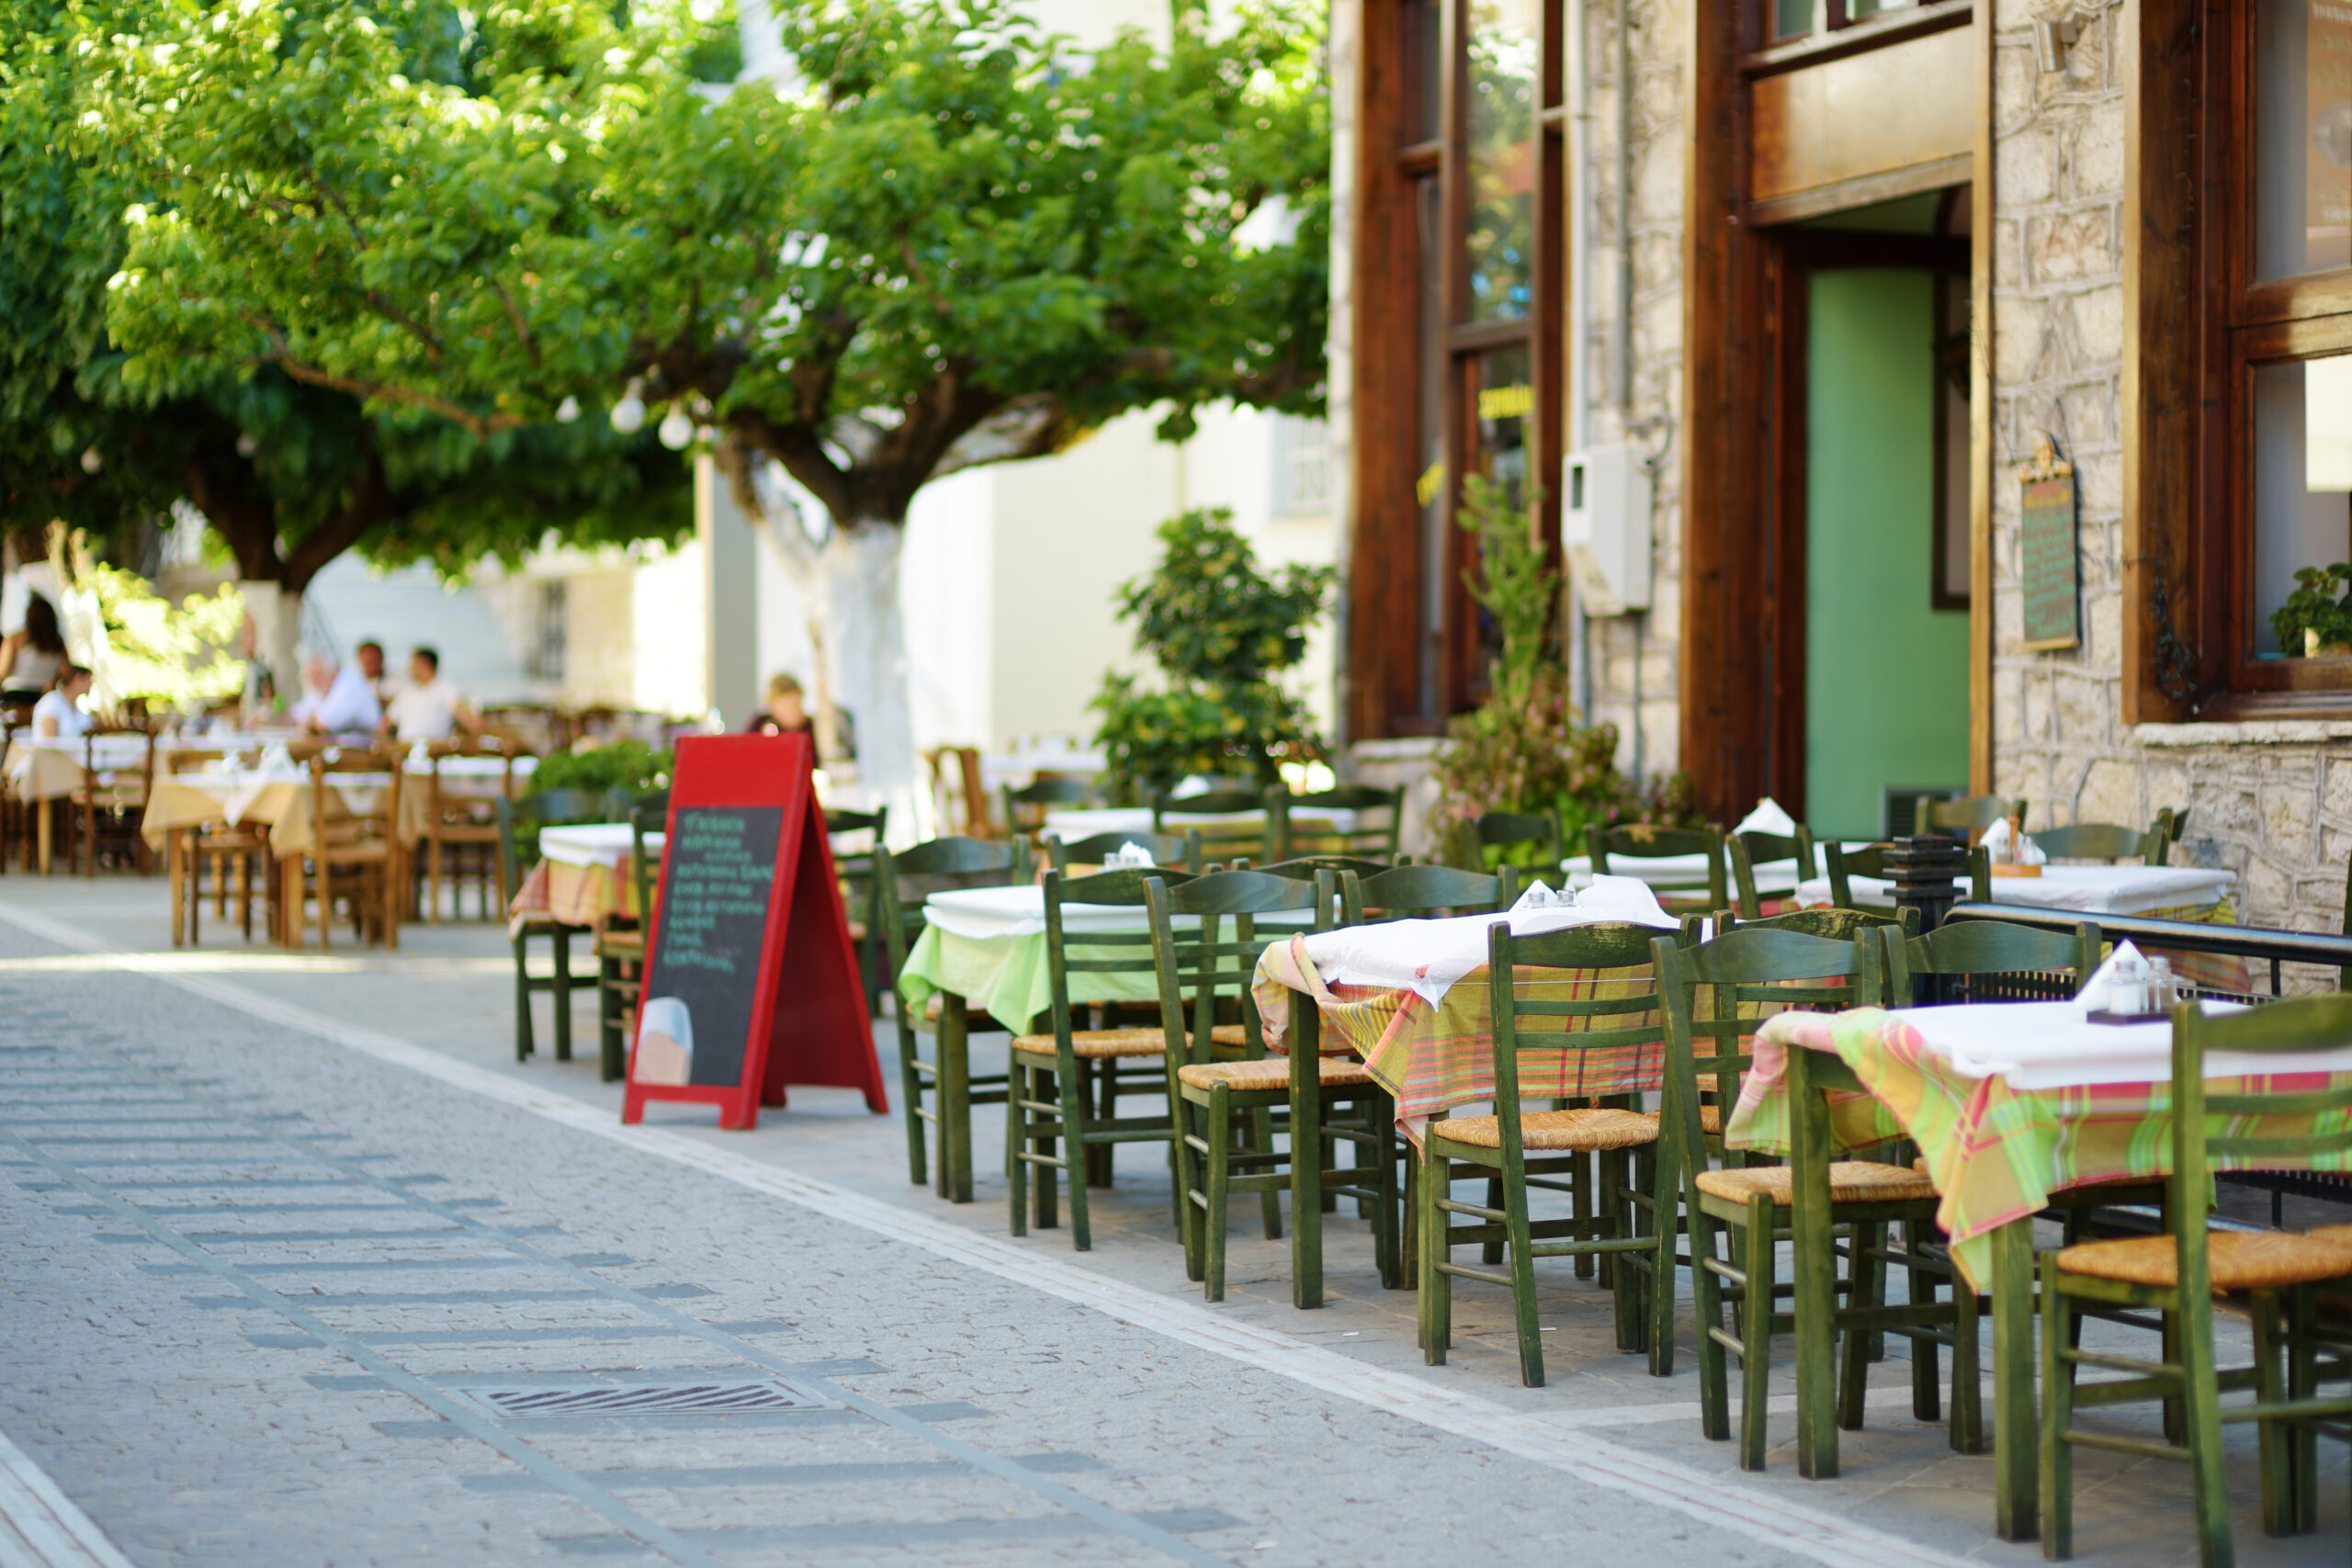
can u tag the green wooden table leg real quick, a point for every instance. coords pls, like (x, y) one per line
(1305, 1153)
(2016, 1442)
(1814, 1269)
(954, 1099)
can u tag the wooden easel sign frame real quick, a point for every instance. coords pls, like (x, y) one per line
(750, 980)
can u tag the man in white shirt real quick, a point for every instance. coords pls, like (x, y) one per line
(427, 707)
(336, 701)
(56, 716)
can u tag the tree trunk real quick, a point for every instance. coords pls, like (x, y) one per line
(864, 640)
(276, 612)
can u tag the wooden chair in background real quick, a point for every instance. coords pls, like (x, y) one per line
(1505, 832)
(1965, 819)
(229, 860)
(1639, 841)
(461, 830)
(1375, 839)
(620, 943)
(519, 822)
(354, 856)
(957, 793)
(1025, 808)
(1234, 824)
(109, 802)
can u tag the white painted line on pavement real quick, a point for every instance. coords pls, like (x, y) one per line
(200, 962)
(39, 1525)
(1559, 1441)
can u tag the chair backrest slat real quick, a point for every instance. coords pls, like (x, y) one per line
(1375, 839)
(1609, 973)
(1750, 849)
(1408, 892)
(1642, 841)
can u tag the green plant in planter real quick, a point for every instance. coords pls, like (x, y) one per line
(1222, 630)
(631, 765)
(2316, 618)
(1523, 750)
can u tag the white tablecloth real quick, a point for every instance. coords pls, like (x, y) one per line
(2081, 889)
(1085, 824)
(594, 843)
(2052, 1045)
(1020, 769)
(362, 794)
(981, 914)
(1428, 956)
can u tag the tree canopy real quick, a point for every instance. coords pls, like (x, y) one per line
(288, 474)
(955, 240)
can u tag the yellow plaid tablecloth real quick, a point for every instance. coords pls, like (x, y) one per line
(1434, 1058)
(1995, 1154)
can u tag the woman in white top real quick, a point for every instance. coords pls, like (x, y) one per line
(55, 716)
(31, 658)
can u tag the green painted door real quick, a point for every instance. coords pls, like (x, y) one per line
(1886, 673)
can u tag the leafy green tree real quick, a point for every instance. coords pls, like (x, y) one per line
(1222, 633)
(944, 239)
(288, 474)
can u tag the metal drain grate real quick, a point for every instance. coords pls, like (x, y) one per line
(673, 1399)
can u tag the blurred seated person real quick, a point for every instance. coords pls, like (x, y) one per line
(787, 712)
(426, 707)
(56, 716)
(369, 657)
(31, 657)
(335, 701)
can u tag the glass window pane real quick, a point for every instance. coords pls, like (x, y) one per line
(2302, 134)
(1856, 10)
(1791, 17)
(1425, 41)
(2303, 478)
(1430, 481)
(1503, 44)
(1506, 405)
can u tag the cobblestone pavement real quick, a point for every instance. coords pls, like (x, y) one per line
(299, 1272)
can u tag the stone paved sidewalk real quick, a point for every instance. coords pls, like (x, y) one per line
(303, 1269)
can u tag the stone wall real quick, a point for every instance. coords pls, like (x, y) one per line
(2272, 802)
(1635, 658)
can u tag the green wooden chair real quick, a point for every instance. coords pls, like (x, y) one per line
(1417, 892)
(1182, 850)
(1025, 808)
(1759, 966)
(2103, 842)
(1222, 843)
(1844, 864)
(1218, 1084)
(519, 822)
(2180, 1273)
(1516, 1150)
(620, 949)
(943, 1090)
(1750, 849)
(855, 871)
(1641, 842)
(1530, 840)
(1963, 818)
(2174, 821)
(1373, 840)
(1061, 1111)
(1304, 868)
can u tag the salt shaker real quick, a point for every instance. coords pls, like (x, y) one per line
(2129, 993)
(2162, 988)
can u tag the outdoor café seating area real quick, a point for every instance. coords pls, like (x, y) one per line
(1896, 1118)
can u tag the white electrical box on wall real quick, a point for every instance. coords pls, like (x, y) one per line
(1605, 523)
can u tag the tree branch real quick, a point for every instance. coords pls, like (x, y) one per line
(521, 328)
(479, 426)
(370, 503)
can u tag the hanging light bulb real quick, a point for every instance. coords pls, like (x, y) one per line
(629, 414)
(677, 429)
(246, 444)
(91, 462)
(567, 411)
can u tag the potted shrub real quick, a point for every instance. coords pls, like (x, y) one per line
(2316, 619)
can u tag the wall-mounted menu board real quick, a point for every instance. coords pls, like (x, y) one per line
(2049, 560)
(750, 983)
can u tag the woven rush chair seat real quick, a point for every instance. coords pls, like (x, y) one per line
(2238, 1260)
(1269, 1072)
(1850, 1181)
(1097, 1043)
(1555, 1130)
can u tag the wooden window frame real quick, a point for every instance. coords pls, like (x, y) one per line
(1388, 593)
(2191, 642)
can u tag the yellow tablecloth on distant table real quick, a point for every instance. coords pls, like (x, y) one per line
(187, 800)
(575, 895)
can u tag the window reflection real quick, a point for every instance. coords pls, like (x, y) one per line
(1503, 44)
(2302, 113)
(2303, 477)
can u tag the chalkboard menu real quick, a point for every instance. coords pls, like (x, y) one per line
(751, 982)
(2049, 560)
(706, 952)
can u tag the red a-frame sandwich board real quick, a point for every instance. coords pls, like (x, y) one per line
(780, 1000)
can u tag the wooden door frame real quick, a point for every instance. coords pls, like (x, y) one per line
(1743, 457)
